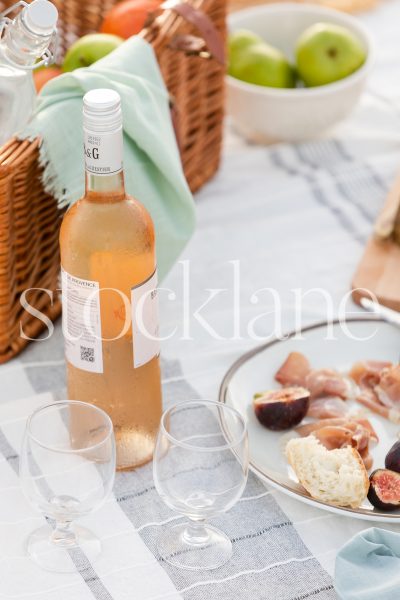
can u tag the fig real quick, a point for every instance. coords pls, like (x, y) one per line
(281, 409)
(392, 460)
(384, 489)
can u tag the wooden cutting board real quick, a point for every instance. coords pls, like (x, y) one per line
(379, 269)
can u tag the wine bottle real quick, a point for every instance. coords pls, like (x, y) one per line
(109, 290)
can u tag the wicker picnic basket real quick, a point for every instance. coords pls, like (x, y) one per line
(30, 219)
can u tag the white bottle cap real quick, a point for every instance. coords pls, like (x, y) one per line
(102, 132)
(102, 110)
(41, 17)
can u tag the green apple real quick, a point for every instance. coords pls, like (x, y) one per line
(88, 49)
(238, 42)
(326, 53)
(261, 64)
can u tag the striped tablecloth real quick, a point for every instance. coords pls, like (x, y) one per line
(288, 217)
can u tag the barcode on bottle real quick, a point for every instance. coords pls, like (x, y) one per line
(87, 354)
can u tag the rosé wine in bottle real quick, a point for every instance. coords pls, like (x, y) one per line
(109, 289)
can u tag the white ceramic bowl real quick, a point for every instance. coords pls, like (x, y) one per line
(265, 115)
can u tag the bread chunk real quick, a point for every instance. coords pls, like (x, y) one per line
(337, 476)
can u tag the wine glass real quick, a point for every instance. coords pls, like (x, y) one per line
(67, 470)
(200, 470)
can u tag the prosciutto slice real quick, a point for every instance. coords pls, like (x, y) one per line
(369, 399)
(380, 392)
(294, 370)
(348, 423)
(327, 382)
(388, 388)
(368, 367)
(335, 437)
(366, 458)
(337, 433)
(327, 408)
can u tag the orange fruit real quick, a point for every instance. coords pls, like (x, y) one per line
(44, 74)
(129, 17)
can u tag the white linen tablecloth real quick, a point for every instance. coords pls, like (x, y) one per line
(289, 217)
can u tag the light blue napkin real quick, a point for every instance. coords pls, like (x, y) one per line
(368, 566)
(152, 165)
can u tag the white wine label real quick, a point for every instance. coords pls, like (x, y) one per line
(103, 152)
(82, 323)
(144, 300)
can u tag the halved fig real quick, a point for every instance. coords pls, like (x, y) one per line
(281, 409)
(384, 489)
(392, 460)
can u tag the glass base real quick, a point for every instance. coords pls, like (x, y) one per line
(210, 549)
(58, 555)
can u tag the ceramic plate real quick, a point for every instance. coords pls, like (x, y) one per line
(255, 371)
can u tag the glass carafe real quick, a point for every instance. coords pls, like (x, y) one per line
(24, 46)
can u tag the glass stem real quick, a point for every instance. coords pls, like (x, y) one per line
(63, 535)
(196, 532)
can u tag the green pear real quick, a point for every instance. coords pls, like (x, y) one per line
(262, 64)
(88, 49)
(326, 53)
(238, 42)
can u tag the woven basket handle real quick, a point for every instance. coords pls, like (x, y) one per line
(209, 33)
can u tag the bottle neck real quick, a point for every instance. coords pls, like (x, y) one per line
(105, 188)
(103, 165)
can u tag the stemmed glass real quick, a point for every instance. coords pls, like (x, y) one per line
(200, 470)
(67, 470)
